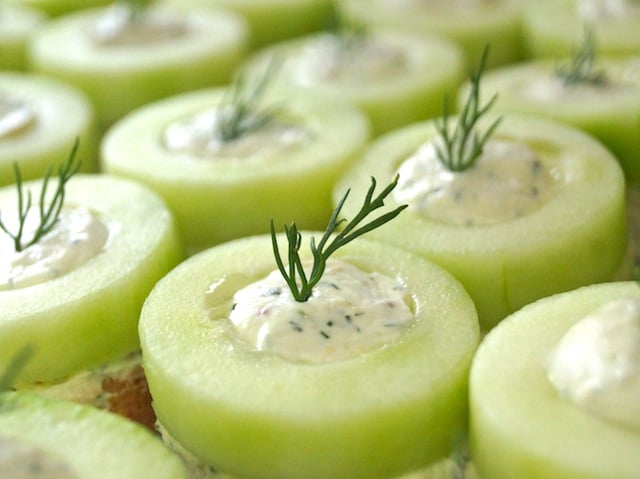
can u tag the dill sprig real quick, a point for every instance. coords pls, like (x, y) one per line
(239, 112)
(15, 366)
(461, 149)
(295, 273)
(49, 212)
(135, 8)
(580, 68)
(349, 35)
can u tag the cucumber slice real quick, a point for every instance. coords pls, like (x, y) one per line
(61, 114)
(273, 20)
(120, 78)
(89, 316)
(576, 238)
(54, 8)
(429, 69)
(16, 25)
(79, 440)
(520, 427)
(216, 198)
(388, 411)
(609, 112)
(472, 25)
(554, 29)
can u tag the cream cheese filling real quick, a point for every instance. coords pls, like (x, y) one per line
(199, 135)
(596, 364)
(507, 181)
(78, 236)
(350, 312)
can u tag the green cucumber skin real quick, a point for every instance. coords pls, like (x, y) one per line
(89, 316)
(64, 115)
(16, 25)
(499, 27)
(613, 119)
(558, 35)
(273, 21)
(505, 266)
(387, 412)
(121, 80)
(94, 443)
(437, 68)
(55, 8)
(237, 197)
(508, 387)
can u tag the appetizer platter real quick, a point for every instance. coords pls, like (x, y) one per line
(212, 270)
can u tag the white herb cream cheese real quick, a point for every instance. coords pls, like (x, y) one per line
(22, 461)
(349, 313)
(594, 10)
(328, 58)
(507, 181)
(76, 237)
(199, 135)
(16, 115)
(120, 25)
(596, 364)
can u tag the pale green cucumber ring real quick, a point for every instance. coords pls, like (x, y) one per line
(252, 414)
(271, 21)
(435, 67)
(89, 316)
(62, 115)
(120, 79)
(497, 24)
(93, 444)
(611, 113)
(520, 427)
(577, 238)
(217, 199)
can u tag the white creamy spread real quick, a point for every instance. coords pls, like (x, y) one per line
(19, 460)
(16, 115)
(327, 58)
(199, 135)
(77, 236)
(553, 89)
(439, 4)
(594, 10)
(118, 26)
(507, 181)
(349, 313)
(596, 364)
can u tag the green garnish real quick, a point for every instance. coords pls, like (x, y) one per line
(349, 35)
(464, 146)
(16, 364)
(239, 112)
(135, 8)
(49, 213)
(580, 68)
(322, 251)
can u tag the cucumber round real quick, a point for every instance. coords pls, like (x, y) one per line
(79, 439)
(386, 412)
(608, 112)
(215, 199)
(576, 238)
(89, 316)
(554, 29)
(121, 78)
(272, 21)
(62, 114)
(520, 426)
(472, 25)
(434, 69)
(16, 25)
